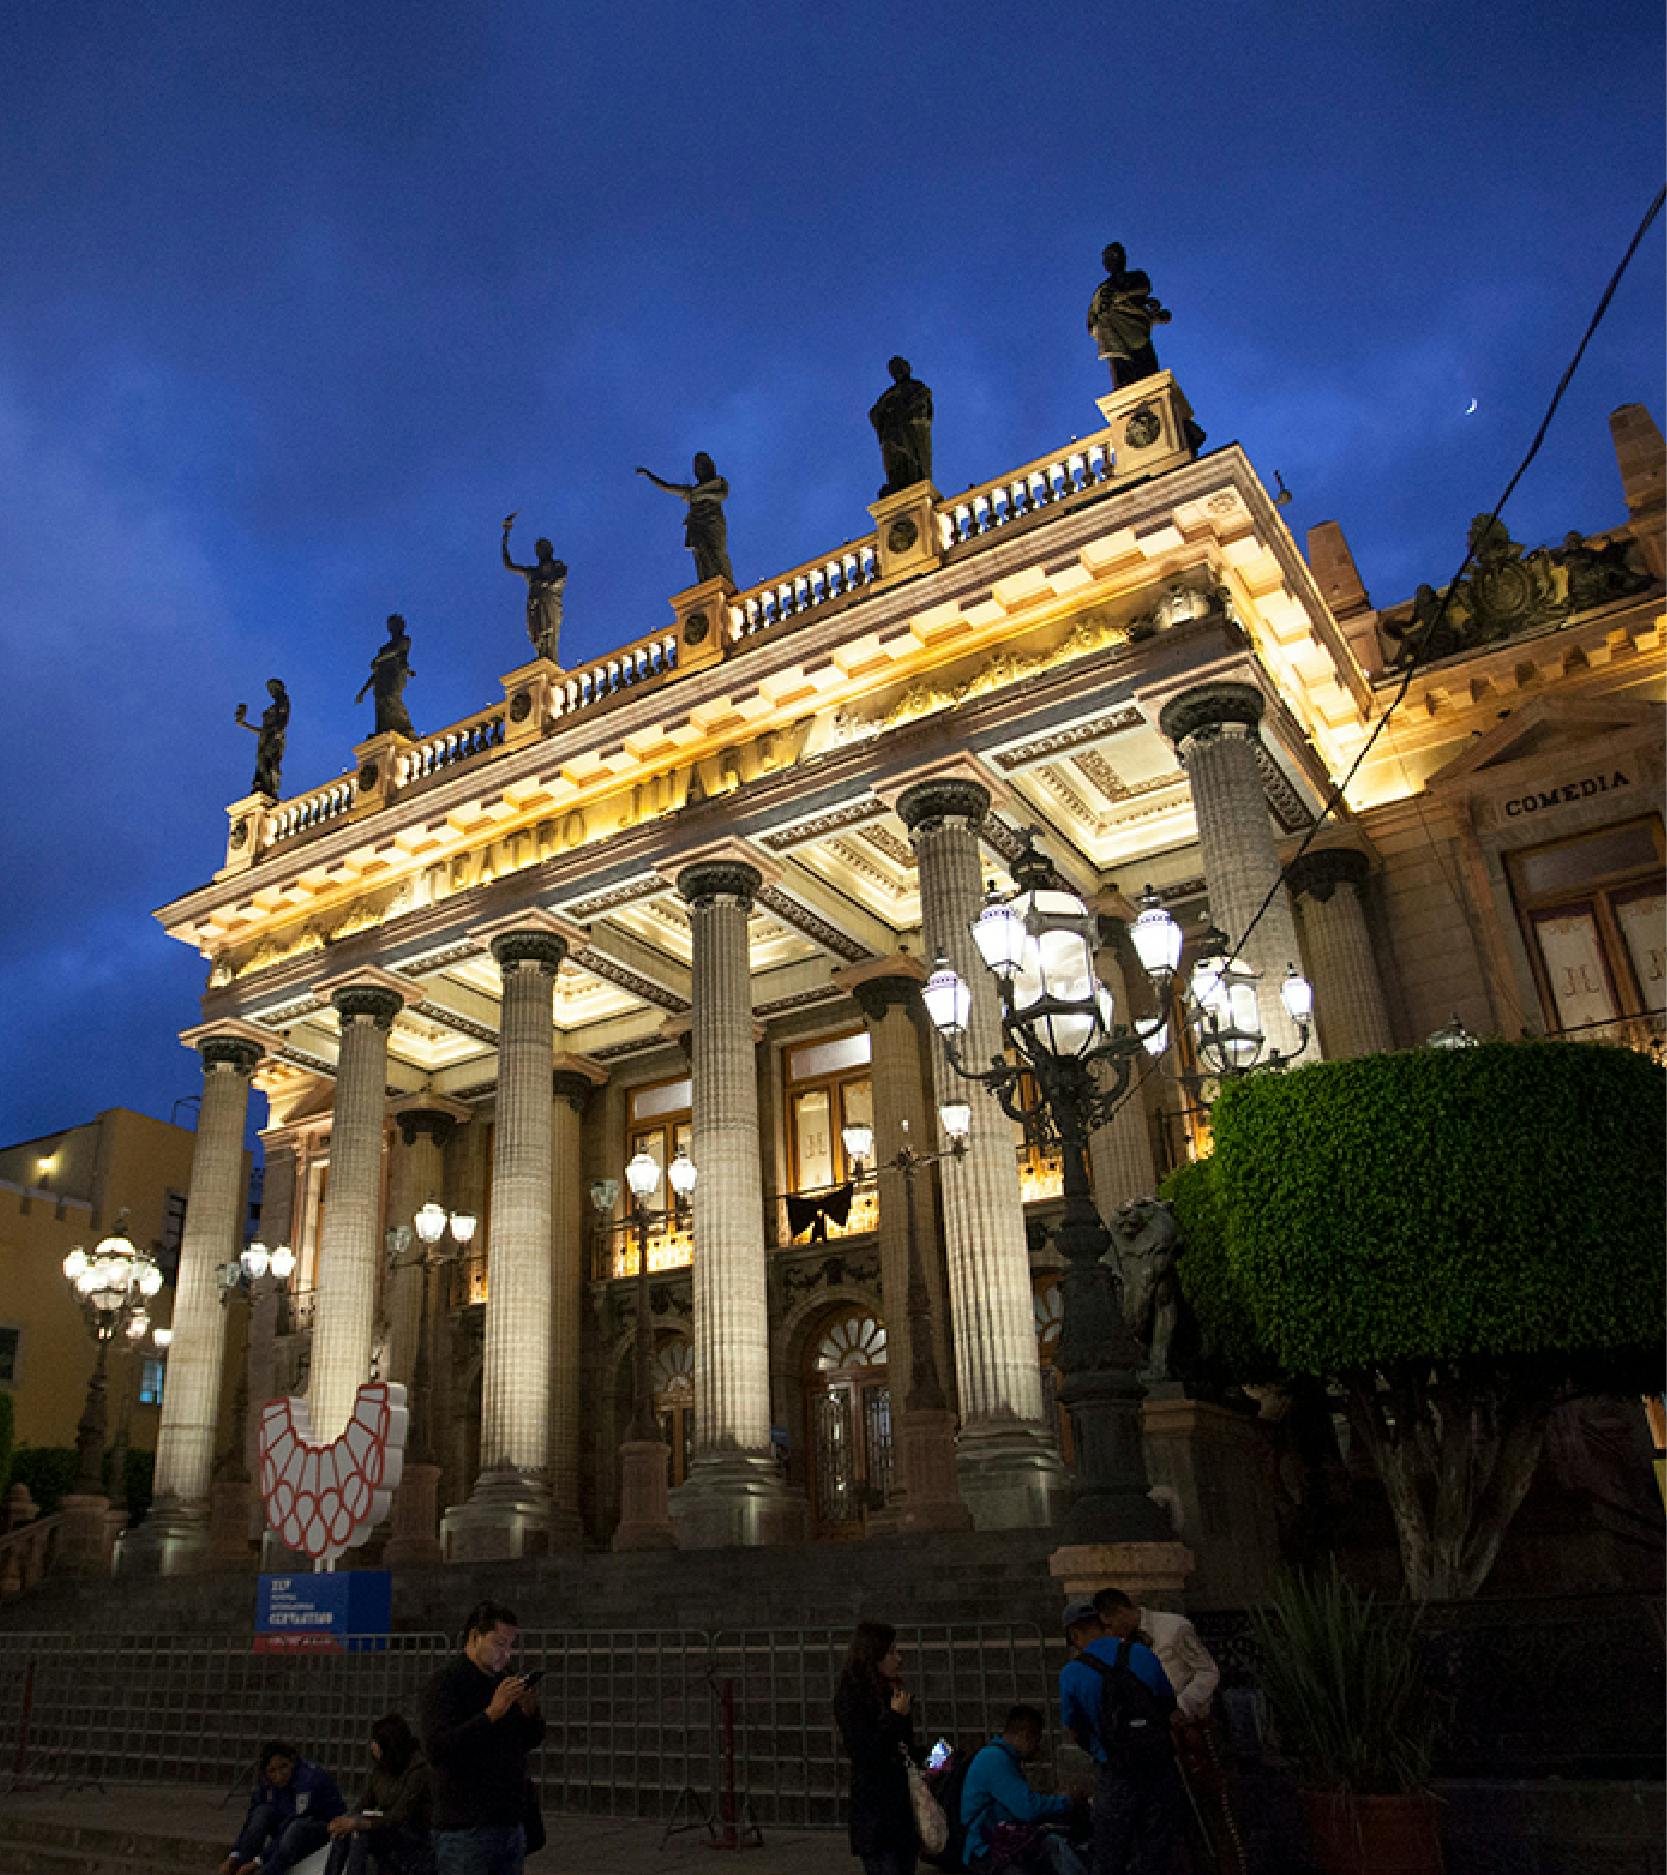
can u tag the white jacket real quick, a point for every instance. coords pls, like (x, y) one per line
(1183, 1656)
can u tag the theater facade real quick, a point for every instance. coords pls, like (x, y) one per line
(681, 899)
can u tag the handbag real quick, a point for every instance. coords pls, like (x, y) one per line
(931, 1825)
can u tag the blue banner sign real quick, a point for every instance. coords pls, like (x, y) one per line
(338, 1613)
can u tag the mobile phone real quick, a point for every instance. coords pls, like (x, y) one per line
(938, 1756)
(532, 1679)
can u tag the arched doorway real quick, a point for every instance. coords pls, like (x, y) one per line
(1048, 1297)
(674, 1402)
(848, 1407)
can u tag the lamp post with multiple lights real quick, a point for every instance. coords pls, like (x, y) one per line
(112, 1286)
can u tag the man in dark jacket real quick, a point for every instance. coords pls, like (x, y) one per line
(479, 1722)
(289, 1814)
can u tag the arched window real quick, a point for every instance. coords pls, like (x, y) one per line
(848, 1404)
(674, 1402)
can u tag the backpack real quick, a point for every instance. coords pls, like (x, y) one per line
(946, 1784)
(1134, 1721)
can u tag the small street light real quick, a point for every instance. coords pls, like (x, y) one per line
(112, 1285)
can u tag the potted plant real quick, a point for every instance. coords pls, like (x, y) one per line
(1344, 1678)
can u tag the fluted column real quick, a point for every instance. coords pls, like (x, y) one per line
(508, 1513)
(1011, 1474)
(1348, 990)
(927, 1495)
(1215, 731)
(1120, 1153)
(733, 1494)
(176, 1530)
(344, 1323)
(571, 1087)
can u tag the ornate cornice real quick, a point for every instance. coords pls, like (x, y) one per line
(811, 924)
(846, 814)
(230, 1051)
(1209, 707)
(1322, 869)
(709, 880)
(364, 999)
(1060, 741)
(610, 970)
(542, 948)
(925, 805)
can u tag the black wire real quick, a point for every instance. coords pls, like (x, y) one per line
(1431, 631)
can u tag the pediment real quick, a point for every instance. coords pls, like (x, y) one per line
(1549, 727)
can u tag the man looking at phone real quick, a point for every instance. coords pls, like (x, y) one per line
(479, 1723)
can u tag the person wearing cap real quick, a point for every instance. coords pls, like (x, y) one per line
(1134, 1797)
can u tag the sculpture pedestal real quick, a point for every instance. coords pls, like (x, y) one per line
(1151, 426)
(644, 1497)
(702, 614)
(1211, 1466)
(231, 1504)
(1153, 1573)
(84, 1537)
(931, 1497)
(906, 529)
(411, 1535)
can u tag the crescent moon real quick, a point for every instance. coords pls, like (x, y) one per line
(1472, 410)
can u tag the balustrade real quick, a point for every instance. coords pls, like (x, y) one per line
(671, 1246)
(813, 1204)
(450, 748)
(817, 583)
(309, 810)
(1042, 484)
(28, 1552)
(638, 664)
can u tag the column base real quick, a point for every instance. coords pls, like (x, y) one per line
(1148, 1572)
(736, 1500)
(411, 1534)
(84, 1537)
(506, 1518)
(1011, 1476)
(172, 1541)
(230, 1505)
(931, 1497)
(1210, 1464)
(644, 1514)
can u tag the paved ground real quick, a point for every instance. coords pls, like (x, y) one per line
(183, 1815)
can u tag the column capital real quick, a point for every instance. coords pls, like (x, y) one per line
(924, 806)
(1322, 869)
(1207, 708)
(707, 881)
(574, 1078)
(230, 1051)
(434, 1123)
(543, 949)
(369, 1000)
(882, 983)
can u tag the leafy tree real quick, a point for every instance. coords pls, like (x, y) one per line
(1455, 1241)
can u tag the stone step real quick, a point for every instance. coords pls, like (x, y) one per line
(38, 1843)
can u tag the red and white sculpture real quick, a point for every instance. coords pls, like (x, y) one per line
(323, 1499)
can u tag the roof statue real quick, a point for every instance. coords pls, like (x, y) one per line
(706, 530)
(902, 419)
(546, 586)
(272, 730)
(1121, 316)
(389, 670)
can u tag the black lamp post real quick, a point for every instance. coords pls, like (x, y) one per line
(112, 1286)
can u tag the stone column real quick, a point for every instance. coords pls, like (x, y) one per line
(733, 1494)
(571, 1086)
(176, 1530)
(508, 1513)
(277, 1225)
(1120, 1153)
(344, 1319)
(1214, 729)
(1011, 1473)
(1348, 991)
(927, 1495)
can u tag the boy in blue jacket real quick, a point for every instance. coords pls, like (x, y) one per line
(289, 1814)
(997, 1791)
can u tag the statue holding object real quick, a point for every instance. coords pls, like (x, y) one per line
(273, 730)
(706, 529)
(1121, 316)
(546, 587)
(389, 671)
(902, 419)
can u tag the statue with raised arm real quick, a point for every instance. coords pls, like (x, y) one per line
(272, 730)
(706, 530)
(389, 670)
(546, 585)
(1121, 316)
(902, 419)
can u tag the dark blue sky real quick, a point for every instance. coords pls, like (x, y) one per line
(298, 300)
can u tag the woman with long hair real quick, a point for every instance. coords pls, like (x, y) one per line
(877, 1729)
(390, 1830)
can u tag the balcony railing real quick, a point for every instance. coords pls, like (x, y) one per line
(818, 1207)
(1646, 1034)
(671, 1246)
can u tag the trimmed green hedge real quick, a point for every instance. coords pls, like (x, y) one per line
(1435, 1204)
(1230, 1346)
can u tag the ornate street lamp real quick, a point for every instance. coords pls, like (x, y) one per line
(112, 1286)
(429, 1226)
(1226, 1019)
(1061, 1039)
(932, 1496)
(239, 1274)
(142, 1339)
(644, 1520)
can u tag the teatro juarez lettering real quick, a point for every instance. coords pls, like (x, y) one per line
(1540, 799)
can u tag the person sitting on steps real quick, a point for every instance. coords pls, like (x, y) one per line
(289, 1814)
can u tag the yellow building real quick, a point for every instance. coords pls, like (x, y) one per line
(682, 896)
(71, 1188)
